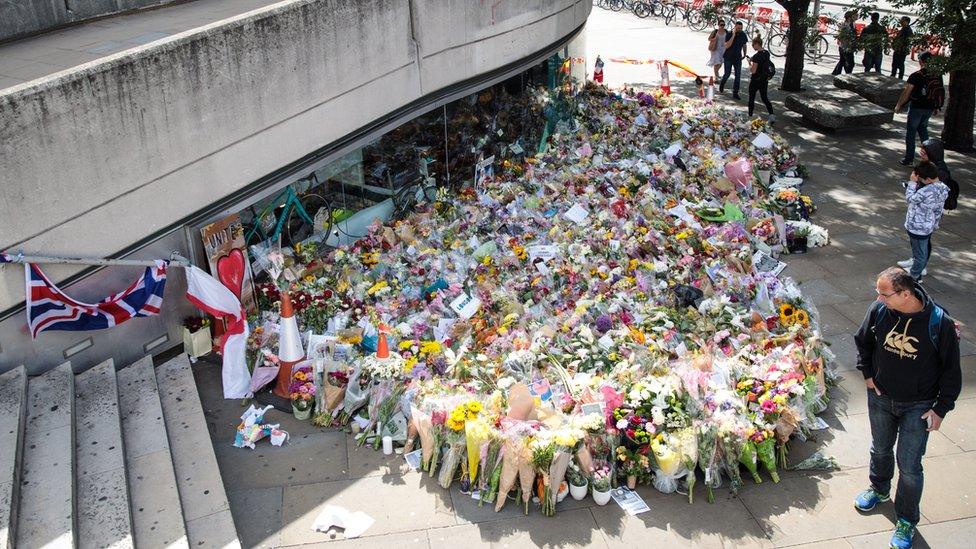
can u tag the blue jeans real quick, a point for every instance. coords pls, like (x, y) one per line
(872, 60)
(891, 420)
(846, 62)
(918, 122)
(921, 251)
(731, 64)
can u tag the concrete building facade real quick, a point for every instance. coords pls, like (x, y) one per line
(125, 156)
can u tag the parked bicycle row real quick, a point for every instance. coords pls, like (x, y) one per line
(769, 24)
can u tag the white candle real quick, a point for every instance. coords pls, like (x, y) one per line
(387, 445)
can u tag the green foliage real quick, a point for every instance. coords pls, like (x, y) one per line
(952, 21)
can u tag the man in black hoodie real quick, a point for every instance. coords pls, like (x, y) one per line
(908, 352)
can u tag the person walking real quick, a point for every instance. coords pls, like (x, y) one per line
(735, 51)
(900, 47)
(716, 47)
(759, 69)
(598, 70)
(924, 92)
(874, 37)
(846, 37)
(908, 353)
(925, 196)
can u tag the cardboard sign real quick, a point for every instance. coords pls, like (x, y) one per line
(543, 251)
(762, 141)
(577, 214)
(765, 263)
(465, 306)
(223, 242)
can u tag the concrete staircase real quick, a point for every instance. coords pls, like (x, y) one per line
(109, 459)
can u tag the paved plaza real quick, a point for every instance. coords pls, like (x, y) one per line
(855, 179)
(276, 493)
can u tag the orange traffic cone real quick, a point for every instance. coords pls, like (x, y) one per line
(382, 346)
(290, 350)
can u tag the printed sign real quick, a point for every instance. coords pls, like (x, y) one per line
(465, 306)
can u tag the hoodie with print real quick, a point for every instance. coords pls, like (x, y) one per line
(925, 204)
(897, 351)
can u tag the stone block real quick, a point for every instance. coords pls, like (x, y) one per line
(157, 514)
(103, 495)
(877, 88)
(838, 109)
(13, 402)
(47, 517)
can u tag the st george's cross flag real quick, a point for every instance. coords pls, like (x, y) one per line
(217, 300)
(49, 308)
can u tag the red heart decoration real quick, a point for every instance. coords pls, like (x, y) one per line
(230, 271)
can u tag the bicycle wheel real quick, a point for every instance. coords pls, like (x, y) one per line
(777, 44)
(667, 12)
(696, 21)
(616, 5)
(297, 228)
(818, 49)
(641, 10)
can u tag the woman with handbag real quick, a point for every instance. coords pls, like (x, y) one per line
(716, 47)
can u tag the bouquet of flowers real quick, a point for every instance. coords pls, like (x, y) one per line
(543, 452)
(302, 388)
(491, 468)
(600, 476)
(709, 459)
(575, 475)
(668, 462)
(456, 441)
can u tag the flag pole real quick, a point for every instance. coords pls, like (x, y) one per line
(176, 260)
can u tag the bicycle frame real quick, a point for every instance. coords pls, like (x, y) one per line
(291, 202)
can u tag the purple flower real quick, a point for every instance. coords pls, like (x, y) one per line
(604, 324)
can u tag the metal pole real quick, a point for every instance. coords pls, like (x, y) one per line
(176, 260)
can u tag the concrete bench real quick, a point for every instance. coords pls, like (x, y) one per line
(838, 109)
(876, 88)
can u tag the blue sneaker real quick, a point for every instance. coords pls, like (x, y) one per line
(904, 532)
(866, 500)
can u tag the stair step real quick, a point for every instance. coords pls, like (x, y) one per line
(13, 412)
(205, 506)
(46, 515)
(157, 516)
(104, 517)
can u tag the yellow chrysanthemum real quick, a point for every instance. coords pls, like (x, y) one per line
(430, 347)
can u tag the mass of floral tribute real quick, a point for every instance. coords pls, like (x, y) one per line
(591, 315)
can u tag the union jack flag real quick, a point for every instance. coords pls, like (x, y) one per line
(48, 308)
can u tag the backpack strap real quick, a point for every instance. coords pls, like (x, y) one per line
(882, 313)
(935, 325)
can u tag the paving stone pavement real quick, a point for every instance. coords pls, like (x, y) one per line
(275, 493)
(45, 54)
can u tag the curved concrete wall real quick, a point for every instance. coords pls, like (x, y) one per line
(22, 17)
(99, 158)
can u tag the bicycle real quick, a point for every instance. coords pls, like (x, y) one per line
(815, 48)
(690, 13)
(402, 202)
(637, 7)
(296, 219)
